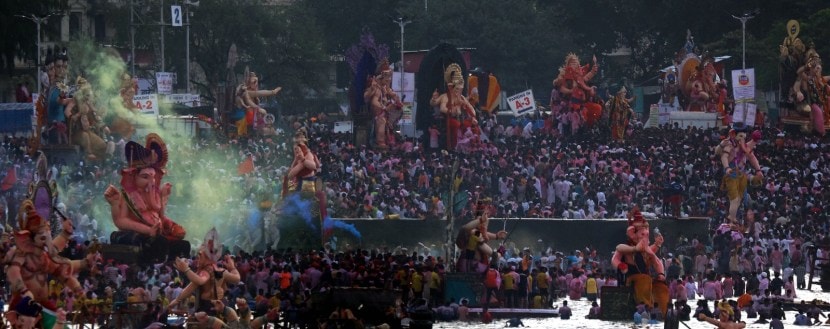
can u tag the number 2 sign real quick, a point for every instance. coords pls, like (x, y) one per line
(176, 15)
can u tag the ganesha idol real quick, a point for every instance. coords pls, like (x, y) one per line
(31, 262)
(138, 207)
(473, 239)
(572, 83)
(698, 83)
(806, 89)
(637, 260)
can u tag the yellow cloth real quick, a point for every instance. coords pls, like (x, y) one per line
(242, 127)
(642, 288)
(508, 282)
(435, 281)
(542, 280)
(734, 185)
(660, 291)
(472, 243)
(537, 301)
(308, 186)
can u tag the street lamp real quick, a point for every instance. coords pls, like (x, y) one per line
(38, 20)
(744, 18)
(188, 3)
(402, 21)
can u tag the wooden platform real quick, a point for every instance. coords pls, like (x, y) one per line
(506, 313)
(803, 123)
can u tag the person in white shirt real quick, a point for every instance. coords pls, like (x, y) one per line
(691, 288)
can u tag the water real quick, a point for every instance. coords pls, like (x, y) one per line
(580, 310)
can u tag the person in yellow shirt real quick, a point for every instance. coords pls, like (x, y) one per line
(417, 282)
(510, 282)
(591, 288)
(163, 301)
(435, 288)
(542, 282)
(274, 301)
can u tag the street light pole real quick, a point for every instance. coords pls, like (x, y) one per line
(744, 18)
(161, 23)
(402, 21)
(132, 39)
(187, 45)
(37, 20)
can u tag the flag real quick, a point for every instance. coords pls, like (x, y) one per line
(10, 179)
(247, 166)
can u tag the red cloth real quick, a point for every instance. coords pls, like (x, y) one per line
(9, 180)
(246, 167)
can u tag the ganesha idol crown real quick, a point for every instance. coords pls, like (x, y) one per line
(636, 219)
(29, 219)
(453, 75)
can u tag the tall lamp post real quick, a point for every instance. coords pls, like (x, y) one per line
(188, 3)
(744, 18)
(38, 20)
(402, 21)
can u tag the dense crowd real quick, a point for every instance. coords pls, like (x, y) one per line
(525, 166)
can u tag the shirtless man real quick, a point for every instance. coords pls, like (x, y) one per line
(723, 323)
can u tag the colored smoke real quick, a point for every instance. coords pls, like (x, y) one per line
(330, 224)
(206, 192)
(295, 205)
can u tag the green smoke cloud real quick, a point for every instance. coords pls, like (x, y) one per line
(206, 190)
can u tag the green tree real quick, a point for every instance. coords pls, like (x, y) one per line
(520, 42)
(282, 44)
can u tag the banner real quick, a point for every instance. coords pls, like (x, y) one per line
(147, 104)
(189, 100)
(406, 118)
(522, 103)
(164, 82)
(408, 94)
(744, 113)
(743, 84)
(342, 127)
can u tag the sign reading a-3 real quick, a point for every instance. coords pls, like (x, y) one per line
(522, 103)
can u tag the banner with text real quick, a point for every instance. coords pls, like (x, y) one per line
(744, 112)
(522, 103)
(189, 100)
(343, 127)
(164, 82)
(743, 84)
(147, 104)
(408, 93)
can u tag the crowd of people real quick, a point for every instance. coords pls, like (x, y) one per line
(525, 166)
